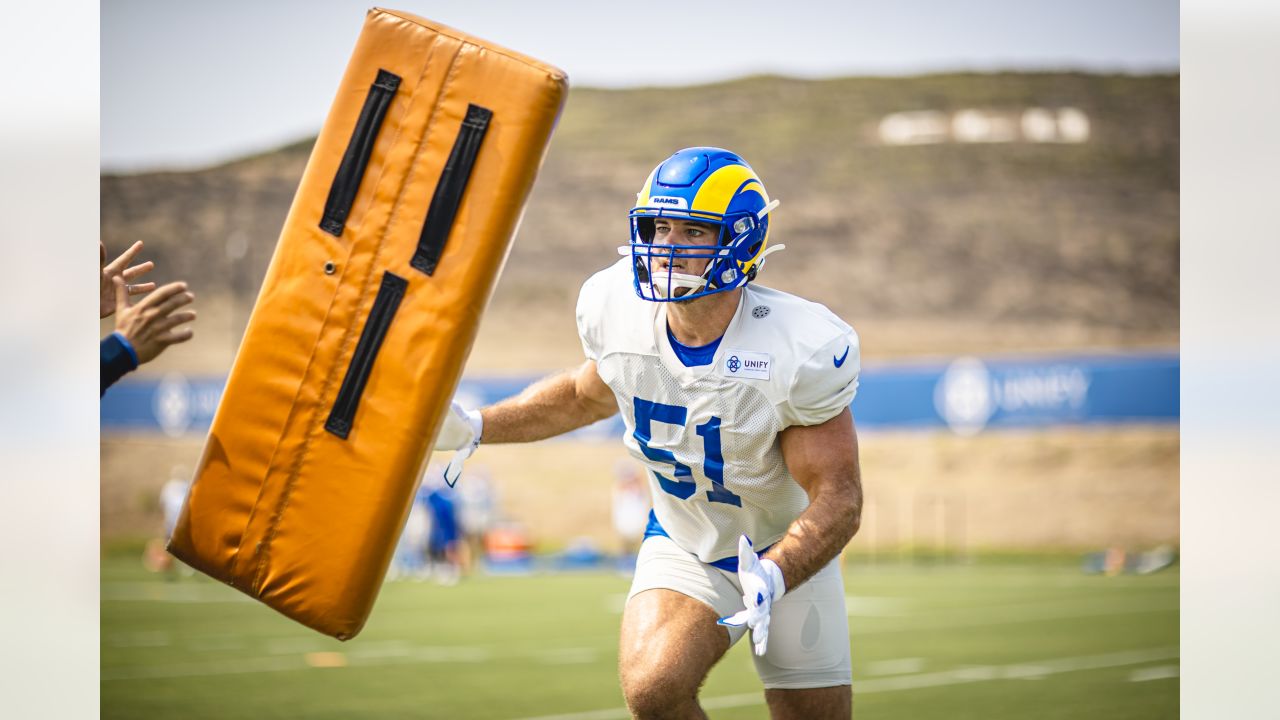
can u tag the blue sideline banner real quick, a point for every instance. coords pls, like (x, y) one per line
(967, 395)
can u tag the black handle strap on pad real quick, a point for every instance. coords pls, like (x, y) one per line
(384, 309)
(448, 195)
(342, 194)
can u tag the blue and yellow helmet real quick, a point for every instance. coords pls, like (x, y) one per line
(707, 185)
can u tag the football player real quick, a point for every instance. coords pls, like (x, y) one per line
(736, 399)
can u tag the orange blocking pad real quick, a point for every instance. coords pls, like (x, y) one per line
(388, 257)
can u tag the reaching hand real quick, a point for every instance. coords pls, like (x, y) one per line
(461, 431)
(762, 585)
(119, 268)
(152, 325)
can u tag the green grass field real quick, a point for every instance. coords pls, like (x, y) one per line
(987, 640)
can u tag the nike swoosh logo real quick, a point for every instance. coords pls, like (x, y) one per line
(840, 360)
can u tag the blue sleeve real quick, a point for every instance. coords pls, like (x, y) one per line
(118, 357)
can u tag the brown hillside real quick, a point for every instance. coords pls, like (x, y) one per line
(935, 248)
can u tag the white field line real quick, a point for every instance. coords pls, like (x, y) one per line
(140, 639)
(298, 645)
(1163, 672)
(279, 663)
(173, 593)
(225, 667)
(362, 657)
(568, 656)
(215, 643)
(868, 606)
(899, 666)
(892, 606)
(965, 576)
(958, 676)
(982, 617)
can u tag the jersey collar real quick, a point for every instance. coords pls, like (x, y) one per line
(689, 375)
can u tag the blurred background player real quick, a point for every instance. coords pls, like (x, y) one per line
(172, 495)
(410, 559)
(736, 399)
(630, 511)
(445, 538)
(477, 511)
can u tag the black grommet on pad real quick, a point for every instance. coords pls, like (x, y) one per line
(329, 268)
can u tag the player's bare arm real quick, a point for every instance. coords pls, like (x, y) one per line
(552, 406)
(823, 459)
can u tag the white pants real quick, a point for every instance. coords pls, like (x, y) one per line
(808, 627)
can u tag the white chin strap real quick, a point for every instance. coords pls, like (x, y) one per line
(662, 281)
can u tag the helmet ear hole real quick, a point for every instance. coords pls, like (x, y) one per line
(744, 253)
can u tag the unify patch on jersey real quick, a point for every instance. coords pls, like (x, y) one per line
(746, 364)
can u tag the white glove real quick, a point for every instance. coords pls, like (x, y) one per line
(762, 586)
(460, 431)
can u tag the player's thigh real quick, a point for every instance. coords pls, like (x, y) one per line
(809, 637)
(669, 631)
(828, 703)
(669, 643)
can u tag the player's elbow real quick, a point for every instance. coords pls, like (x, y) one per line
(851, 513)
(846, 500)
(593, 399)
(838, 501)
(588, 409)
(855, 521)
(606, 410)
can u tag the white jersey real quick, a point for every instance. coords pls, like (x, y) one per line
(709, 434)
(172, 494)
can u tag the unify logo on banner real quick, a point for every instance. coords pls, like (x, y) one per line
(968, 395)
(180, 406)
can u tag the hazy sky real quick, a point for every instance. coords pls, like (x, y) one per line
(186, 82)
